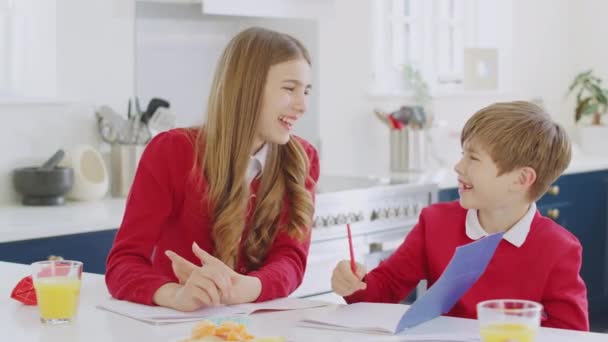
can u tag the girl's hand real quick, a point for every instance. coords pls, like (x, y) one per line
(215, 278)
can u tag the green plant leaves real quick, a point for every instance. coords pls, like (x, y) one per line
(591, 98)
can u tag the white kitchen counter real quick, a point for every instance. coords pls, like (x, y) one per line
(21, 323)
(19, 222)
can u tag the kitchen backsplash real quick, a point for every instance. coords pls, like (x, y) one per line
(35, 132)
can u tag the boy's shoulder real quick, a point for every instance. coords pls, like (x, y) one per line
(440, 210)
(443, 215)
(548, 232)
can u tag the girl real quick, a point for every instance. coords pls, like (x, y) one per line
(235, 195)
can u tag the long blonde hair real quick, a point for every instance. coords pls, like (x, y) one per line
(224, 149)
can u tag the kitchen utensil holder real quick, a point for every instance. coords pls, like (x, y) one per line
(408, 150)
(124, 159)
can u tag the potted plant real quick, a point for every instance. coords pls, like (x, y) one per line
(591, 98)
(591, 105)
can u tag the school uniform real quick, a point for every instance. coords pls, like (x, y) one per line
(536, 260)
(166, 210)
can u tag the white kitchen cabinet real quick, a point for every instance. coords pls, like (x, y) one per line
(67, 51)
(27, 50)
(303, 9)
(172, 1)
(310, 9)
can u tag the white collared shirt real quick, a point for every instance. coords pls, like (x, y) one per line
(516, 235)
(256, 163)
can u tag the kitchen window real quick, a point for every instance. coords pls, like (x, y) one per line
(448, 27)
(438, 38)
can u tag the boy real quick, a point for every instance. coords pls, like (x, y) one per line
(512, 152)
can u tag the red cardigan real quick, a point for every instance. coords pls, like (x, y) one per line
(544, 269)
(166, 210)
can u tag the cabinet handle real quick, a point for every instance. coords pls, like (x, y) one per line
(376, 247)
(553, 213)
(54, 258)
(553, 190)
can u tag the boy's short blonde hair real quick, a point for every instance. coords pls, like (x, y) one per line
(519, 134)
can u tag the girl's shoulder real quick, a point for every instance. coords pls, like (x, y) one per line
(175, 141)
(313, 159)
(309, 148)
(172, 150)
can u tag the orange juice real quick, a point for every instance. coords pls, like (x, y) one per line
(507, 332)
(57, 296)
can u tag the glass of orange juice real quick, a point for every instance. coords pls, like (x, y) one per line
(508, 320)
(57, 286)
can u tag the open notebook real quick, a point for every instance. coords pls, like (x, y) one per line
(466, 266)
(430, 337)
(379, 318)
(161, 315)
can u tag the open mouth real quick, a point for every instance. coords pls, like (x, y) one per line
(287, 121)
(464, 185)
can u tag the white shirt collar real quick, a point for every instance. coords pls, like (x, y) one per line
(256, 163)
(516, 235)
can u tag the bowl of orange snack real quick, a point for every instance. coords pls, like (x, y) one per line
(207, 331)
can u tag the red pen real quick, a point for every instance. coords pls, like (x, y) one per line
(353, 267)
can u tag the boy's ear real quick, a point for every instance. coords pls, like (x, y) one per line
(526, 177)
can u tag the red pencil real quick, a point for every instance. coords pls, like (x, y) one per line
(353, 267)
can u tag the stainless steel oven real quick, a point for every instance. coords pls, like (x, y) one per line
(380, 211)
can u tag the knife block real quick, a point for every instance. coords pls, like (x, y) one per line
(124, 160)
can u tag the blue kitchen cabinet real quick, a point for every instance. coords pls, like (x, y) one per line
(579, 203)
(90, 248)
(448, 195)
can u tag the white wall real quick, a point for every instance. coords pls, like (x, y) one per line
(354, 142)
(177, 49)
(588, 37)
(95, 49)
(94, 66)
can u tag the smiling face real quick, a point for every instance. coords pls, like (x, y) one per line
(284, 101)
(479, 184)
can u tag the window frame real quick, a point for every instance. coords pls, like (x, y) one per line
(442, 79)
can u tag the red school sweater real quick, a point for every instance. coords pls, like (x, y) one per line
(544, 269)
(166, 210)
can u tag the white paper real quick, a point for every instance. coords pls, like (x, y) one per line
(451, 337)
(282, 304)
(161, 315)
(379, 318)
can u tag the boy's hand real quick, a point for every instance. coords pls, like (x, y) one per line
(344, 282)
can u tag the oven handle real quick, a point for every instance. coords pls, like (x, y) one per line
(384, 246)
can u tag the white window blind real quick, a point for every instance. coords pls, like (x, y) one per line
(432, 36)
(448, 23)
